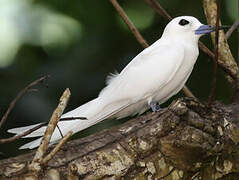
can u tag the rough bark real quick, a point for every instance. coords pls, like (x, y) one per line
(184, 141)
(225, 55)
(226, 58)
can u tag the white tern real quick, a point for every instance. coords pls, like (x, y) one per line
(151, 78)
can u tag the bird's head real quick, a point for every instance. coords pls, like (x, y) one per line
(187, 28)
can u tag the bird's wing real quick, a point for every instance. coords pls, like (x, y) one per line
(149, 71)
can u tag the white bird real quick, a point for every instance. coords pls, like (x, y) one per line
(151, 78)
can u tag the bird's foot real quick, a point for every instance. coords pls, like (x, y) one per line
(155, 106)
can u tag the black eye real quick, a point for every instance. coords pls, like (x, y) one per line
(183, 22)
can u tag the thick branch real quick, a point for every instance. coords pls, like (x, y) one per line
(184, 141)
(225, 56)
(214, 81)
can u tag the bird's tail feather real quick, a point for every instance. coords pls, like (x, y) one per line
(95, 111)
(32, 144)
(20, 130)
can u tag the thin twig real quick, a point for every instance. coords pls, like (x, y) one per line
(139, 37)
(232, 28)
(35, 165)
(158, 8)
(131, 26)
(238, 43)
(7, 140)
(211, 54)
(14, 138)
(73, 118)
(206, 50)
(195, 175)
(19, 95)
(214, 81)
(238, 34)
(188, 93)
(69, 119)
(57, 148)
(60, 131)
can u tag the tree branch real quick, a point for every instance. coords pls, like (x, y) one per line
(38, 160)
(131, 26)
(159, 9)
(186, 138)
(225, 56)
(14, 138)
(214, 81)
(56, 148)
(232, 28)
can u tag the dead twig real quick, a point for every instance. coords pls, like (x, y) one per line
(238, 35)
(221, 64)
(36, 163)
(158, 8)
(39, 160)
(238, 42)
(60, 131)
(188, 93)
(131, 26)
(236, 93)
(7, 140)
(214, 81)
(57, 148)
(14, 138)
(225, 58)
(139, 37)
(204, 49)
(73, 118)
(69, 119)
(232, 28)
(19, 95)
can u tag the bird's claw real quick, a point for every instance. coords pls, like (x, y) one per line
(155, 106)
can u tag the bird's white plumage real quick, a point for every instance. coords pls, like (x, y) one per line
(154, 75)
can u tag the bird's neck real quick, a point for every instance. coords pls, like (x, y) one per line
(190, 45)
(181, 39)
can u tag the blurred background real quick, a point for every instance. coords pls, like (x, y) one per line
(78, 43)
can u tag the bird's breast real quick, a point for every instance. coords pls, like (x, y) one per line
(181, 76)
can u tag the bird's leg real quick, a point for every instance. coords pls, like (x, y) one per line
(155, 106)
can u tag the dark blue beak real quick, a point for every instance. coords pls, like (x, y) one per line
(206, 29)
